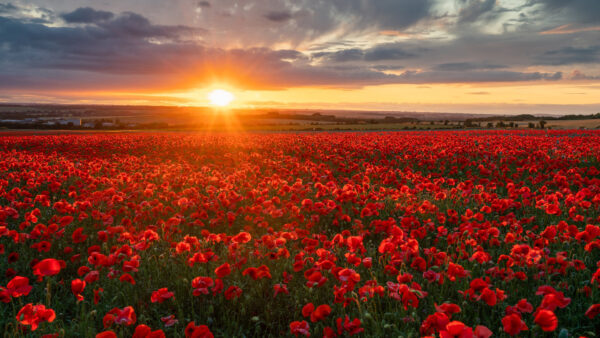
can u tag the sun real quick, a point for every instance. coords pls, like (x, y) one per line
(220, 97)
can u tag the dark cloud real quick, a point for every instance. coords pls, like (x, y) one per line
(204, 4)
(278, 16)
(33, 14)
(110, 54)
(474, 9)
(345, 55)
(578, 75)
(476, 76)
(86, 15)
(306, 21)
(383, 68)
(377, 53)
(581, 11)
(570, 55)
(381, 53)
(135, 25)
(8, 8)
(387, 14)
(98, 48)
(114, 46)
(287, 54)
(458, 66)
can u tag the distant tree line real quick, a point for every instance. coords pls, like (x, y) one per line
(529, 117)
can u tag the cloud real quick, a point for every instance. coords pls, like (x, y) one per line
(578, 75)
(344, 55)
(570, 29)
(459, 66)
(570, 55)
(383, 52)
(383, 68)
(8, 8)
(386, 14)
(278, 16)
(86, 15)
(411, 76)
(204, 4)
(108, 55)
(307, 21)
(581, 11)
(474, 9)
(91, 48)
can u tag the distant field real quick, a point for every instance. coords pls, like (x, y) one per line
(357, 126)
(181, 123)
(555, 124)
(575, 124)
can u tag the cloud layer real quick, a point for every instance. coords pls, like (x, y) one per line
(281, 44)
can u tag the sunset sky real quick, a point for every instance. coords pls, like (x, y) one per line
(476, 56)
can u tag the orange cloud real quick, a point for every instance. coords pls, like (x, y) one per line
(566, 29)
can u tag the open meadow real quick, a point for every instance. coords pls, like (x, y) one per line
(441, 233)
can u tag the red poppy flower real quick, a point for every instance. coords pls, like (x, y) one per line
(280, 288)
(47, 267)
(200, 331)
(456, 329)
(308, 309)
(223, 270)
(553, 209)
(593, 311)
(547, 320)
(97, 295)
(448, 308)
(488, 296)
(349, 276)
(127, 278)
(258, 273)
(78, 236)
(482, 332)
(232, 292)
(169, 320)
(106, 334)
(18, 286)
(65, 220)
(92, 276)
(513, 324)
(300, 328)
(351, 326)
(77, 286)
(320, 313)
(524, 306)
(161, 295)
(201, 285)
(125, 316)
(242, 237)
(144, 331)
(33, 315)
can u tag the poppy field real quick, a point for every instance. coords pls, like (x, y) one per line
(406, 234)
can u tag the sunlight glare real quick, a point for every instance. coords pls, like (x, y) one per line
(220, 97)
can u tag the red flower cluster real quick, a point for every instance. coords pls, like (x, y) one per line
(33, 315)
(443, 234)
